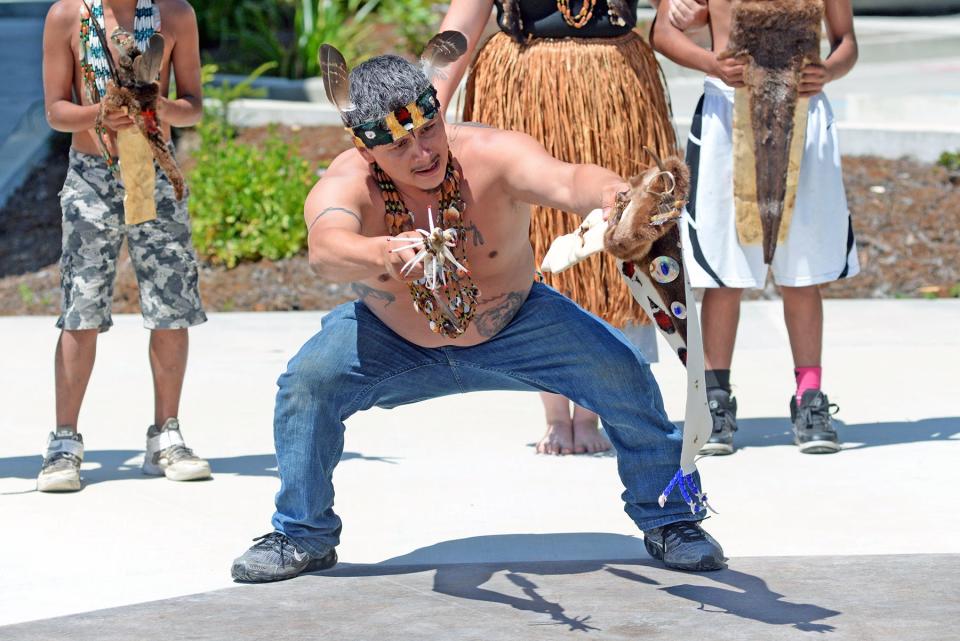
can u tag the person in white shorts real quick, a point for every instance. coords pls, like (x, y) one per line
(819, 247)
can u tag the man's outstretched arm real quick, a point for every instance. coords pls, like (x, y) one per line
(533, 176)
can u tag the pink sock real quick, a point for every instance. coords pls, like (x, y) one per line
(807, 378)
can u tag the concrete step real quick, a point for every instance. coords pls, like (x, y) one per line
(880, 598)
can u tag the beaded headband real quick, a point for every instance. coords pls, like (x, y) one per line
(443, 49)
(398, 123)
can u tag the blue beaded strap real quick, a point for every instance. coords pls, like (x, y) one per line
(146, 22)
(691, 493)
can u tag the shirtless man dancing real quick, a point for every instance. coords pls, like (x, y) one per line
(498, 330)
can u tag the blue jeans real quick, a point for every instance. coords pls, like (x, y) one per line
(356, 362)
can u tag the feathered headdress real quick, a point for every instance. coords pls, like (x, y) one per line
(443, 49)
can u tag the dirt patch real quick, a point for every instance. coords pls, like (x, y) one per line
(904, 216)
(30, 219)
(907, 228)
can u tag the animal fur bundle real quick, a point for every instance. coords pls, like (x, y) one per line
(642, 233)
(135, 90)
(645, 236)
(776, 38)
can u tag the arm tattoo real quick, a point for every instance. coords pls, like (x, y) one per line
(364, 292)
(504, 308)
(330, 210)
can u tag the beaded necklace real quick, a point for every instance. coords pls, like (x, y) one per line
(583, 16)
(93, 59)
(452, 304)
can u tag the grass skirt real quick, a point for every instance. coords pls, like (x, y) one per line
(587, 100)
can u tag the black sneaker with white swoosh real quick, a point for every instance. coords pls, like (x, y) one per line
(275, 557)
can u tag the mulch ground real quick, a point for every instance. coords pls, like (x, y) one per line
(905, 215)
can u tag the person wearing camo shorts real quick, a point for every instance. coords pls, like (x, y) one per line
(94, 228)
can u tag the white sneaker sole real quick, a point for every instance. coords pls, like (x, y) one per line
(183, 471)
(65, 481)
(820, 447)
(716, 449)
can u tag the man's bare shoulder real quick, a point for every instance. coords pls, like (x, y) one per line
(175, 8)
(482, 142)
(175, 14)
(349, 164)
(346, 182)
(63, 15)
(476, 132)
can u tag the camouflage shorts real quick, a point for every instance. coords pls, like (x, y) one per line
(161, 251)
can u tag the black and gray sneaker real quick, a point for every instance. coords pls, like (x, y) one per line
(813, 429)
(274, 557)
(723, 411)
(684, 546)
(60, 471)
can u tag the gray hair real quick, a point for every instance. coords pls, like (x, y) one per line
(382, 85)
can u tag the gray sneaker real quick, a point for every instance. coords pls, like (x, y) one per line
(275, 558)
(684, 546)
(167, 455)
(723, 411)
(813, 429)
(60, 471)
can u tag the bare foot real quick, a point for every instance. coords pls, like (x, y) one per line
(587, 438)
(558, 439)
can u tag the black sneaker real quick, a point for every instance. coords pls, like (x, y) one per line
(684, 546)
(275, 558)
(723, 410)
(813, 429)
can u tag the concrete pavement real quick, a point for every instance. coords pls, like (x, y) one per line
(453, 483)
(616, 600)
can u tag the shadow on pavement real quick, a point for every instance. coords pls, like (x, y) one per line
(762, 432)
(124, 465)
(742, 595)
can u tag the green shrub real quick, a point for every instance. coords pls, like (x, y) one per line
(246, 201)
(243, 33)
(414, 21)
(345, 24)
(950, 160)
